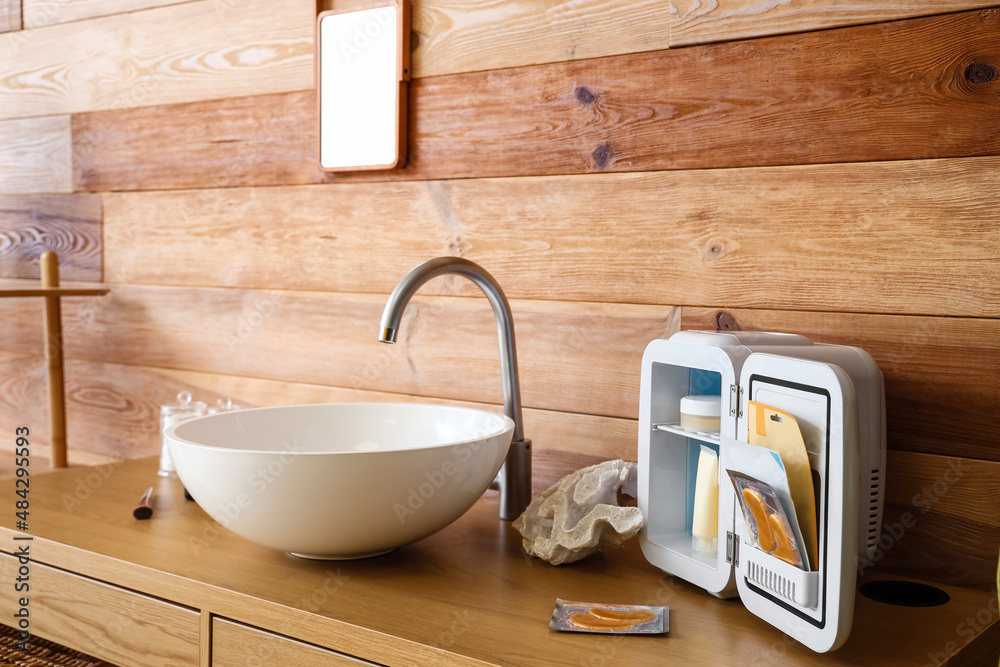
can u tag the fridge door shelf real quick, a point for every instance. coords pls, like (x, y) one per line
(781, 579)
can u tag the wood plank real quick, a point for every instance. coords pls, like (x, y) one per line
(893, 91)
(69, 225)
(38, 13)
(701, 21)
(452, 36)
(941, 383)
(113, 412)
(397, 226)
(185, 52)
(35, 155)
(24, 403)
(237, 645)
(462, 36)
(447, 346)
(257, 140)
(920, 88)
(108, 622)
(23, 330)
(941, 520)
(205, 640)
(900, 237)
(10, 15)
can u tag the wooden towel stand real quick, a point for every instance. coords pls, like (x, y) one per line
(49, 289)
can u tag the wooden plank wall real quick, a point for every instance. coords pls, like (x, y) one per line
(10, 15)
(624, 168)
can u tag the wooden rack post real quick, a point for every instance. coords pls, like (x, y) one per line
(52, 291)
(49, 264)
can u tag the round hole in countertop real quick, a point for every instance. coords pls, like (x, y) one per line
(904, 593)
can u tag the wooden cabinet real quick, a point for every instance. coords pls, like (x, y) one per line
(238, 645)
(107, 622)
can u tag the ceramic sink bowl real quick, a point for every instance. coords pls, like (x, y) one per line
(339, 481)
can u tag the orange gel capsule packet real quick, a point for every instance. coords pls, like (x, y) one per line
(755, 502)
(768, 524)
(591, 622)
(636, 616)
(783, 541)
(569, 616)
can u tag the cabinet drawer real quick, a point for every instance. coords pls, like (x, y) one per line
(237, 645)
(107, 622)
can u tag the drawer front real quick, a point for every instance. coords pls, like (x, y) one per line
(237, 645)
(107, 622)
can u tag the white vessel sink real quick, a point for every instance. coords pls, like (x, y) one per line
(339, 481)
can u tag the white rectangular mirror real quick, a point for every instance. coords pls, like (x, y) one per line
(362, 74)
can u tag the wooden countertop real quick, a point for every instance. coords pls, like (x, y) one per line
(465, 596)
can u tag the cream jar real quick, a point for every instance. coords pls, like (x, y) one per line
(701, 413)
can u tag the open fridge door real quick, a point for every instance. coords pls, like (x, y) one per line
(814, 602)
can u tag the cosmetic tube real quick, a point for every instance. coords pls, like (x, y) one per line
(705, 523)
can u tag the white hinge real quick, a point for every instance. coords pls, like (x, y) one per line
(735, 401)
(732, 548)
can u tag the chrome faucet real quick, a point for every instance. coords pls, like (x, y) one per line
(514, 479)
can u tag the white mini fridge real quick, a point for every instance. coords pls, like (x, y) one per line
(836, 395)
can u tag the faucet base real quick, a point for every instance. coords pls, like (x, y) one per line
(515, 480)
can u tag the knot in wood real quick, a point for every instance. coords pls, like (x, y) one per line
(980, 73)
(603, 154)
(415, 40)
(726, 322)
(584, 95)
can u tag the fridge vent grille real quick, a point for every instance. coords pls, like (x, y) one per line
(874, 520)
(773, 582)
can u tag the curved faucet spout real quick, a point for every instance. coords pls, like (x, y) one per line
(515, 475)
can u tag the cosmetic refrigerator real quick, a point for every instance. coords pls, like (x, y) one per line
(836, 395)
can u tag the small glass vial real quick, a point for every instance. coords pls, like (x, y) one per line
(183, 410)
(701, 413)
(223, 405)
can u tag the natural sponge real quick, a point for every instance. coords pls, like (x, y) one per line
(580, 514)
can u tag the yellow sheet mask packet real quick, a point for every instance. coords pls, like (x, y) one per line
(778, 431)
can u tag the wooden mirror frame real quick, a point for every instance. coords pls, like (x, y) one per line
(402, 78)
